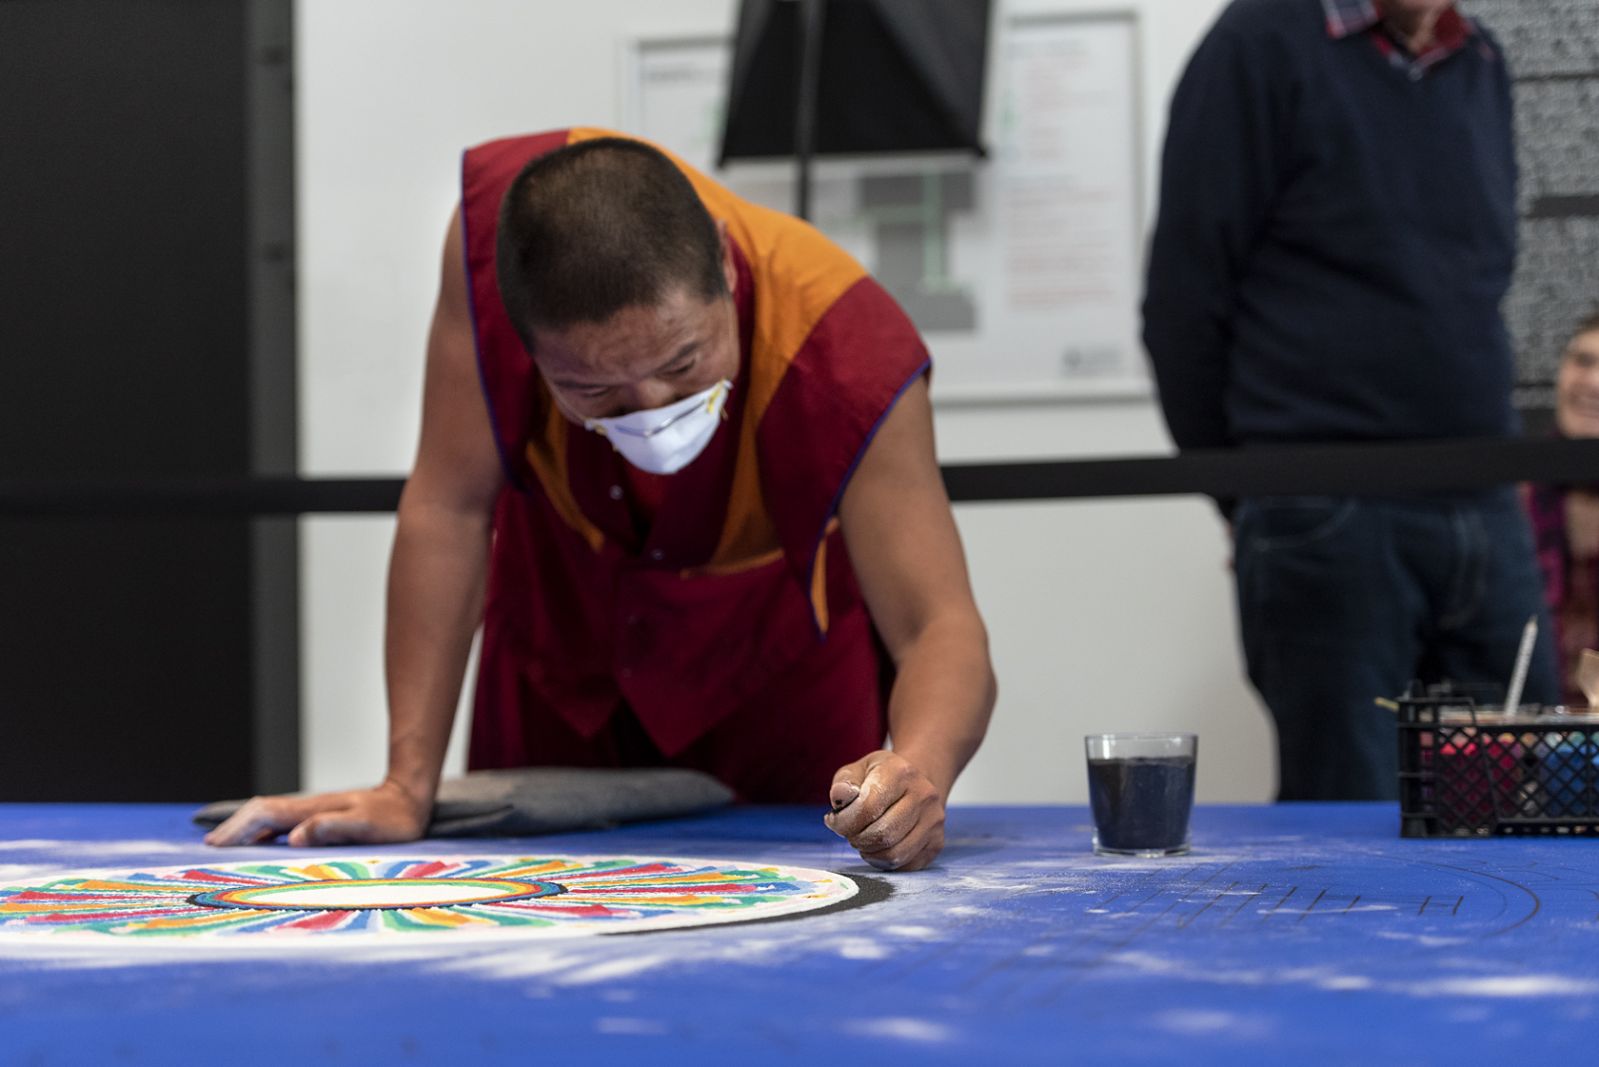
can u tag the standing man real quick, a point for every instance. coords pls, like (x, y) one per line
(677, 460)
(1337, 229)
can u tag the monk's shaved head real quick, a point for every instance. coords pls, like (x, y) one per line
(599, 226)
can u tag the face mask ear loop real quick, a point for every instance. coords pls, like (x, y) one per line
(588, 424)
(601, 431)
(594, 427)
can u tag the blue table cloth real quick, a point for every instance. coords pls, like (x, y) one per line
(1291, 933)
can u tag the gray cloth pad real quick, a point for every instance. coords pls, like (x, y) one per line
(542, 800)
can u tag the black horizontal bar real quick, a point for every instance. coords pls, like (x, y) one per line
(1373, 469)
(199, 497)
(1557, 76)
(1366, 468)
(1564, 207)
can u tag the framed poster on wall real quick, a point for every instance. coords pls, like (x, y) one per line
(1021, 269)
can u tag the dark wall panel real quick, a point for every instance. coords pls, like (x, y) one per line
(124, 242)
(132, 681)
(130, 650)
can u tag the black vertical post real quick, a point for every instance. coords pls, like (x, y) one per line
(813, 15)
(270, 351)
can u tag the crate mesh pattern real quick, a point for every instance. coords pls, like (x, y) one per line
(1466, 770)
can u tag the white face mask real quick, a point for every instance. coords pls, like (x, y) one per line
(665, 440)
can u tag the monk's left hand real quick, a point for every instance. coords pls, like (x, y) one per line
(889, 812)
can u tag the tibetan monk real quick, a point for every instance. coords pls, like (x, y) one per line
(677, 462)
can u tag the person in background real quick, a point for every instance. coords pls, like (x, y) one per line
(1336, 231)
(1565, 518)
(677, 459)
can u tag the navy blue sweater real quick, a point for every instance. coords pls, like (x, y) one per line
(1334, 239)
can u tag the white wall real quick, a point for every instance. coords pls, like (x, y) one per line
(1103, 615)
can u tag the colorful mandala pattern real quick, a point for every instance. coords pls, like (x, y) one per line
(384, 896)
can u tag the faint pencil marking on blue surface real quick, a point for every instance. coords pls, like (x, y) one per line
(1275, 908)
(1311, 906)
(1250, 899)
(1207, 906)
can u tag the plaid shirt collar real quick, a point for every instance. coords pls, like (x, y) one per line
(1346, 18)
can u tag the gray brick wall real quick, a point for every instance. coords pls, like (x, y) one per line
(1553, 47)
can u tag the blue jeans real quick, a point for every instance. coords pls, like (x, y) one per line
(1342, 600)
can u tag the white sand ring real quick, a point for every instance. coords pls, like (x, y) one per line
(363, 894)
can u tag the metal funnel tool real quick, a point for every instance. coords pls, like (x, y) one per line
(1518, 677)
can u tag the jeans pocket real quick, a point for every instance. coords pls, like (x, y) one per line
(1281, 522)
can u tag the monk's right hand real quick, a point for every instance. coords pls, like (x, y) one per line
(358, 816)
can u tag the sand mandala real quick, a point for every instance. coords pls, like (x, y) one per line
(390, 896)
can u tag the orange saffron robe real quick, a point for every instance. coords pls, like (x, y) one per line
(728, 632)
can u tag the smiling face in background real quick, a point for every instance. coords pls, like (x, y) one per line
(1577, 388)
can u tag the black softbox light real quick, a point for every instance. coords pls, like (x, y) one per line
(855, 77)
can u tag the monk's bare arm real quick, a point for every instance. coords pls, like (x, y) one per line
(441, 542)
(435, 599)
(907, 556)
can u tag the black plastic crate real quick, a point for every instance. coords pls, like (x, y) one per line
(1469, 770)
